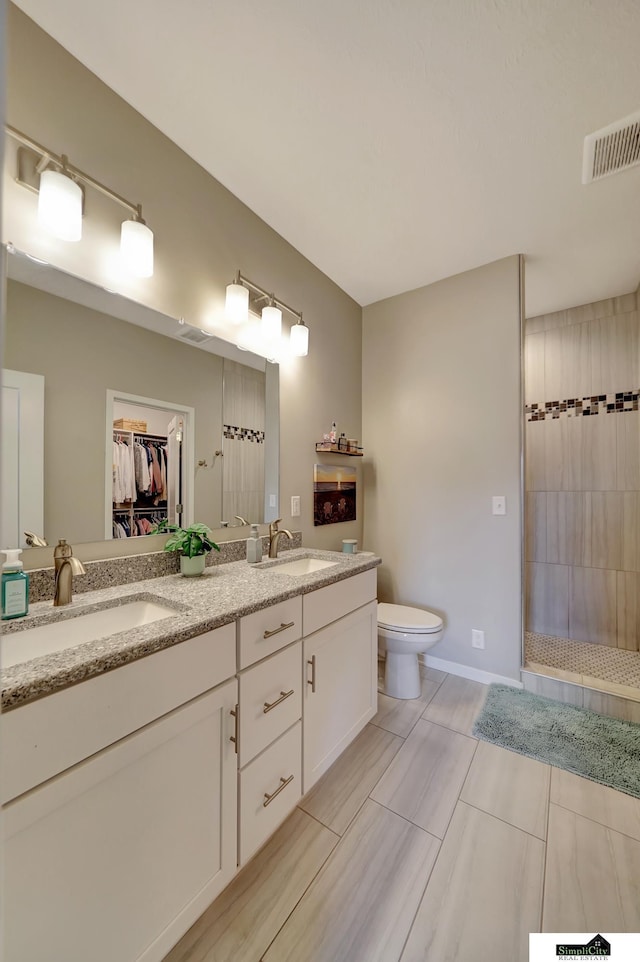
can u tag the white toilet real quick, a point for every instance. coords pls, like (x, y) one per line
(403, 633)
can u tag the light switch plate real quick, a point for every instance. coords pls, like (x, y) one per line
(499, 504)
(295, 506)
(272, 500)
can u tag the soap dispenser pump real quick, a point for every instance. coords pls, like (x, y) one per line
(15, 586)
(254, 545)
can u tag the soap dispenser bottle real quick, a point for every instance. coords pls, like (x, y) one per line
(254, 545)
(15, 586)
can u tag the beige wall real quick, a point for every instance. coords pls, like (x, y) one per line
(583, 473)
(441, 403)
(203, 235)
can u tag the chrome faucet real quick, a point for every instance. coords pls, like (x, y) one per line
(66, 567)
(274, 536)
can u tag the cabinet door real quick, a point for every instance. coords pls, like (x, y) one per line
(117, 857)
(341, 688)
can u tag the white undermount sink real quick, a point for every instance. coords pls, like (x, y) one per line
(303, 566)
(70, 632)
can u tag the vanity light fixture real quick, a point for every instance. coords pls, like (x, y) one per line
(60, 204)
(60, 201)
(242, 307)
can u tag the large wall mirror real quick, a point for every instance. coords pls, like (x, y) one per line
(104, 371)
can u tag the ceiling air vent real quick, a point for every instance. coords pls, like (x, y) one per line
(195, 335)
(611, 149)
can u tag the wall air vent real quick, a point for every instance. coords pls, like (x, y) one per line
(195, 335)
(611, 149)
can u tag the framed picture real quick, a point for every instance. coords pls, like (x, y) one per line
(334, 494)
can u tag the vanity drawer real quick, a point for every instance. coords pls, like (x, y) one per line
(50, 735)
(325, 605)
(270, 787)
(275, 682)
(268, 630)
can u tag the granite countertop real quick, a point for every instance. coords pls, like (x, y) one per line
(222, 594)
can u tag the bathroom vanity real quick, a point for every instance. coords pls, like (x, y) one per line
(141, 770)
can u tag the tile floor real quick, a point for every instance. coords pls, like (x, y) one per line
(422, 844)
(594, 663)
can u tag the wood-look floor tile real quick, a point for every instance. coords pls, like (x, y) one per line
(399, 715)
(246, 916)
(592, 879)
(484, 895)
(456, 704)
(361, 905)
(509, 786)
(424, 780)
(600, 803)
(337, 796)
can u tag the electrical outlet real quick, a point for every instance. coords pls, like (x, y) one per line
(499, 504)
(295, 505)
(272, 500)
(477, 638)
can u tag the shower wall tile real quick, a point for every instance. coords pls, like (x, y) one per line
(614, 354)
(534, 371)
(536, 526)
(628, 610)
(603, 539)
(567, 363)
(582, 314)
(631, 531)
(628, 451)
(598, 452)
(565, 454)
(535, 455)
(592, 605)
(547, 593)
(565, 511)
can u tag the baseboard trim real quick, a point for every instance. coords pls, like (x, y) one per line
(465, 671)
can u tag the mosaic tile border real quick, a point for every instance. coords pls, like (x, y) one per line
(234, 433)
(618, 403)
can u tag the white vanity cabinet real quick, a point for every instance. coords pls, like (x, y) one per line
(270, 743)
(116, 856)
(341, 669)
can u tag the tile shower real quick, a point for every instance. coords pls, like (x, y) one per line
(582, 536)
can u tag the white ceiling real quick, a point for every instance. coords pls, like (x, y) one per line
(393, 142)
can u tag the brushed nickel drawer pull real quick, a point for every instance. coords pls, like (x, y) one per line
(283, 695)
(283, 784)
(276, 631)
(312, 682)
(234, 738)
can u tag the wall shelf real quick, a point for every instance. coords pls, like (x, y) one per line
(325, 448)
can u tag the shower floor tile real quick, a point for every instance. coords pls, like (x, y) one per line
(596, 666)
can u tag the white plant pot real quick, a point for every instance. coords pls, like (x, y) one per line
(191, 567)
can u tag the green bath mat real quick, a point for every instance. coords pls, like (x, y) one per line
(603, 749)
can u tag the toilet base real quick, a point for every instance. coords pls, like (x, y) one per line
(402, 675)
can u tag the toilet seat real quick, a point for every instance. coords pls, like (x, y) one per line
(410, 621)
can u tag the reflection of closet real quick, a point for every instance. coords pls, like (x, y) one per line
(141, 480)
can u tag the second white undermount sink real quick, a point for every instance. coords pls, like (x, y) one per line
(303, 566)
(20, 646)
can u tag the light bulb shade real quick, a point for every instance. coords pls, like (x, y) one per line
(299, 340)
(271, 322)
(237, 304)
(60, 205)
(249, 337)
(136, 248)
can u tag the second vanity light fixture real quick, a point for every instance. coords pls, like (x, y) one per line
(265, 336)
(59, 186)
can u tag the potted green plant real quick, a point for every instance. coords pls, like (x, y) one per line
(193, 543)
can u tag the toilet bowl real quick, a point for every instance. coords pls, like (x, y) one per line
(404, 633)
